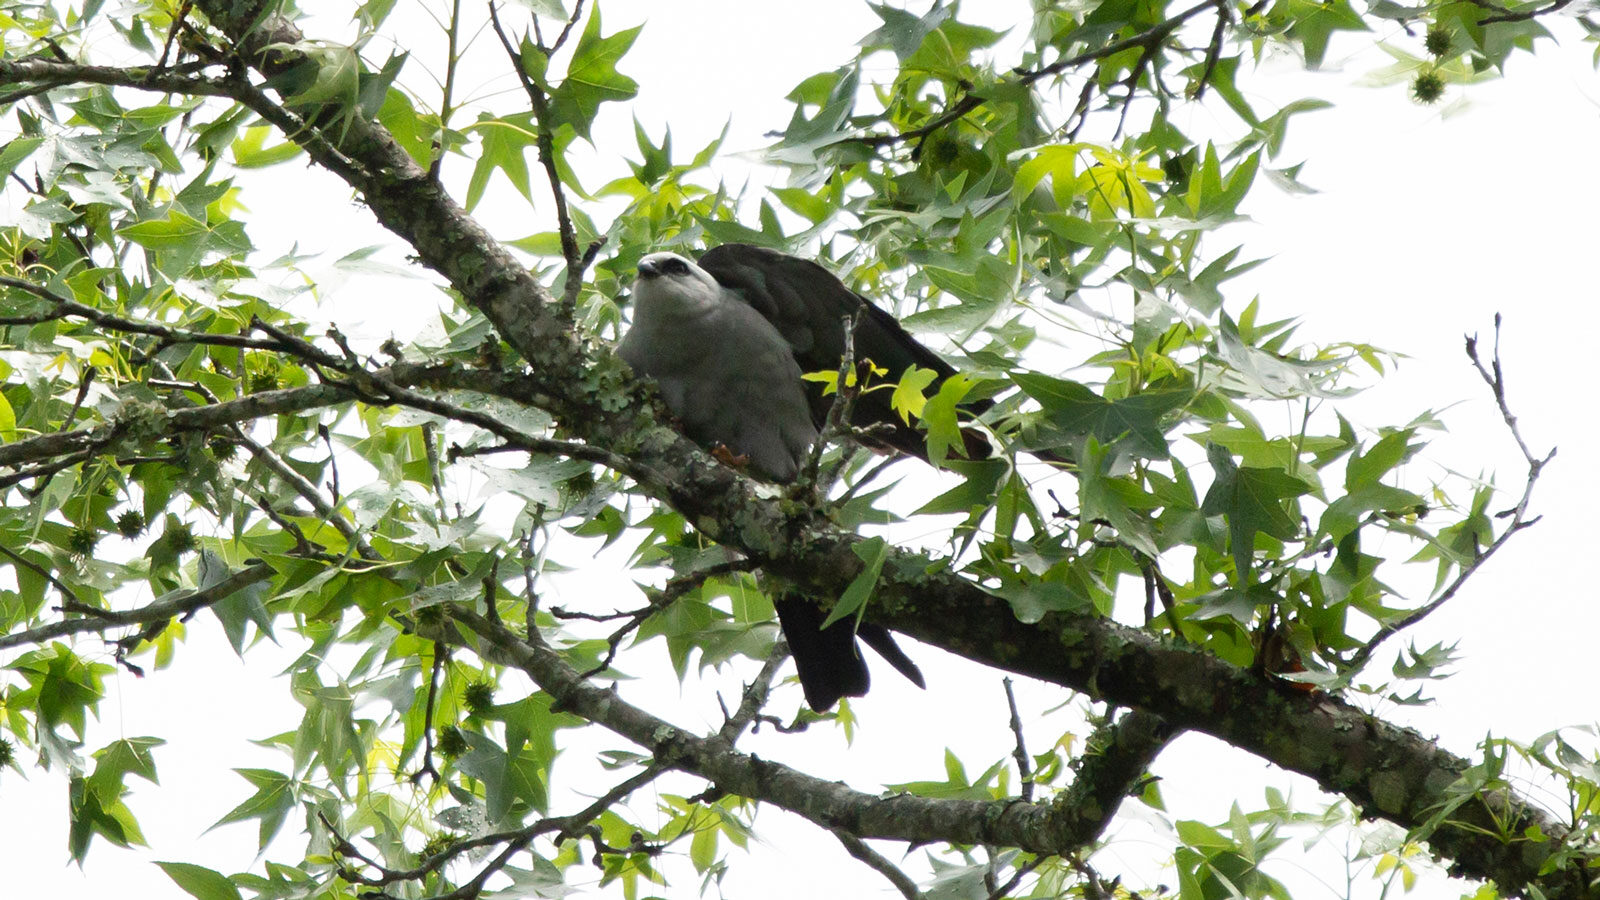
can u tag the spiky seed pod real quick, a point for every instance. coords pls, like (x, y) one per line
(130, 524)
(479, 697)
(82, 541)
(438, 844)
(452, 743)
(1437, 41)
(180, 538)
(1428, 87)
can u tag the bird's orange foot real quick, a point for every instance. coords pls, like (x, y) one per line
(723, 454)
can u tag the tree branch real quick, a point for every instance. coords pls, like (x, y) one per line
(391, 388)
(576, 261)
(1149, 40)
(183, 603)
(858, 848)
(65, 306)
(563, 827)
(1503, 14)
(1035, 827)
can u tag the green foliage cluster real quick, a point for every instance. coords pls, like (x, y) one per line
(172, 419)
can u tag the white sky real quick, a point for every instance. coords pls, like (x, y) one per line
(1424, 228)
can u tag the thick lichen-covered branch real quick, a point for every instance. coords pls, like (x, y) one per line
(1040, 828)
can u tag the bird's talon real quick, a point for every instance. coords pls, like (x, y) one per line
(722, 454)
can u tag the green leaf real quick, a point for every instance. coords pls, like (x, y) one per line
(505, 146)
(98, 810)
(272, 802)
(805, 136)
(550, 9)
(940, 417)
(956, 785)
(1115, 500)
(1030, 599)
(8, 420)
(1420, 664)
(1270, 375)
(1364, 469)
(118, 759)
(201, 882)
(592, 77)
(177, 231)
(909, 397)
(904, 32)
(1074, 411)
(873, 551)
(1344, 514)
(1314, 21)
(982, 480)
(1252, 500)
(15, 151)
(250, 150)
(247, 604)
(61, 685)
(814, 206)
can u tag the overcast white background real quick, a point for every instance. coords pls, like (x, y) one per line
(1425, 226)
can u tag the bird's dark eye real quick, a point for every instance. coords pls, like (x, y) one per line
(674, 266)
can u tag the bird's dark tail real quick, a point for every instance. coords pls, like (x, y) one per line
(881, 639)
(828, 661)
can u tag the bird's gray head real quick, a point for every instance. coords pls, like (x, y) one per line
(670, 282)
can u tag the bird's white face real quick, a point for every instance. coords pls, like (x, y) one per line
(669, 283)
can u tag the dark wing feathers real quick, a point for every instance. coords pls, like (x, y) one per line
(809, 307)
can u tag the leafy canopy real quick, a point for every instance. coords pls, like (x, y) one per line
(186, 435)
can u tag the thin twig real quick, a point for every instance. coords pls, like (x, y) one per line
(183, 604)
(172, 33)
(577, 13)
(1214, 49)
(846, 388)
(874, 860)
(547, 159)
(1149, 38)
(1155, 585)
(755, 695)
(451, 63)
(89, 373)
(430, 445)
(1021, 872)
(66, 306)
(72, 601)
(1020, 751)
(1494, 377)
(659, 600)
(441, 653)
(1502, 14)
(545, 446)
(562, 827)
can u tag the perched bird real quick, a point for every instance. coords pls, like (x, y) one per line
(726, 341)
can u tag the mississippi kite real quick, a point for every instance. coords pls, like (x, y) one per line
(726, 341)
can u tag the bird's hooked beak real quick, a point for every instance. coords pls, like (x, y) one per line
(667, 278)
(669, 265)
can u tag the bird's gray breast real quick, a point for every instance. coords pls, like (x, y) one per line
(731, 379)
